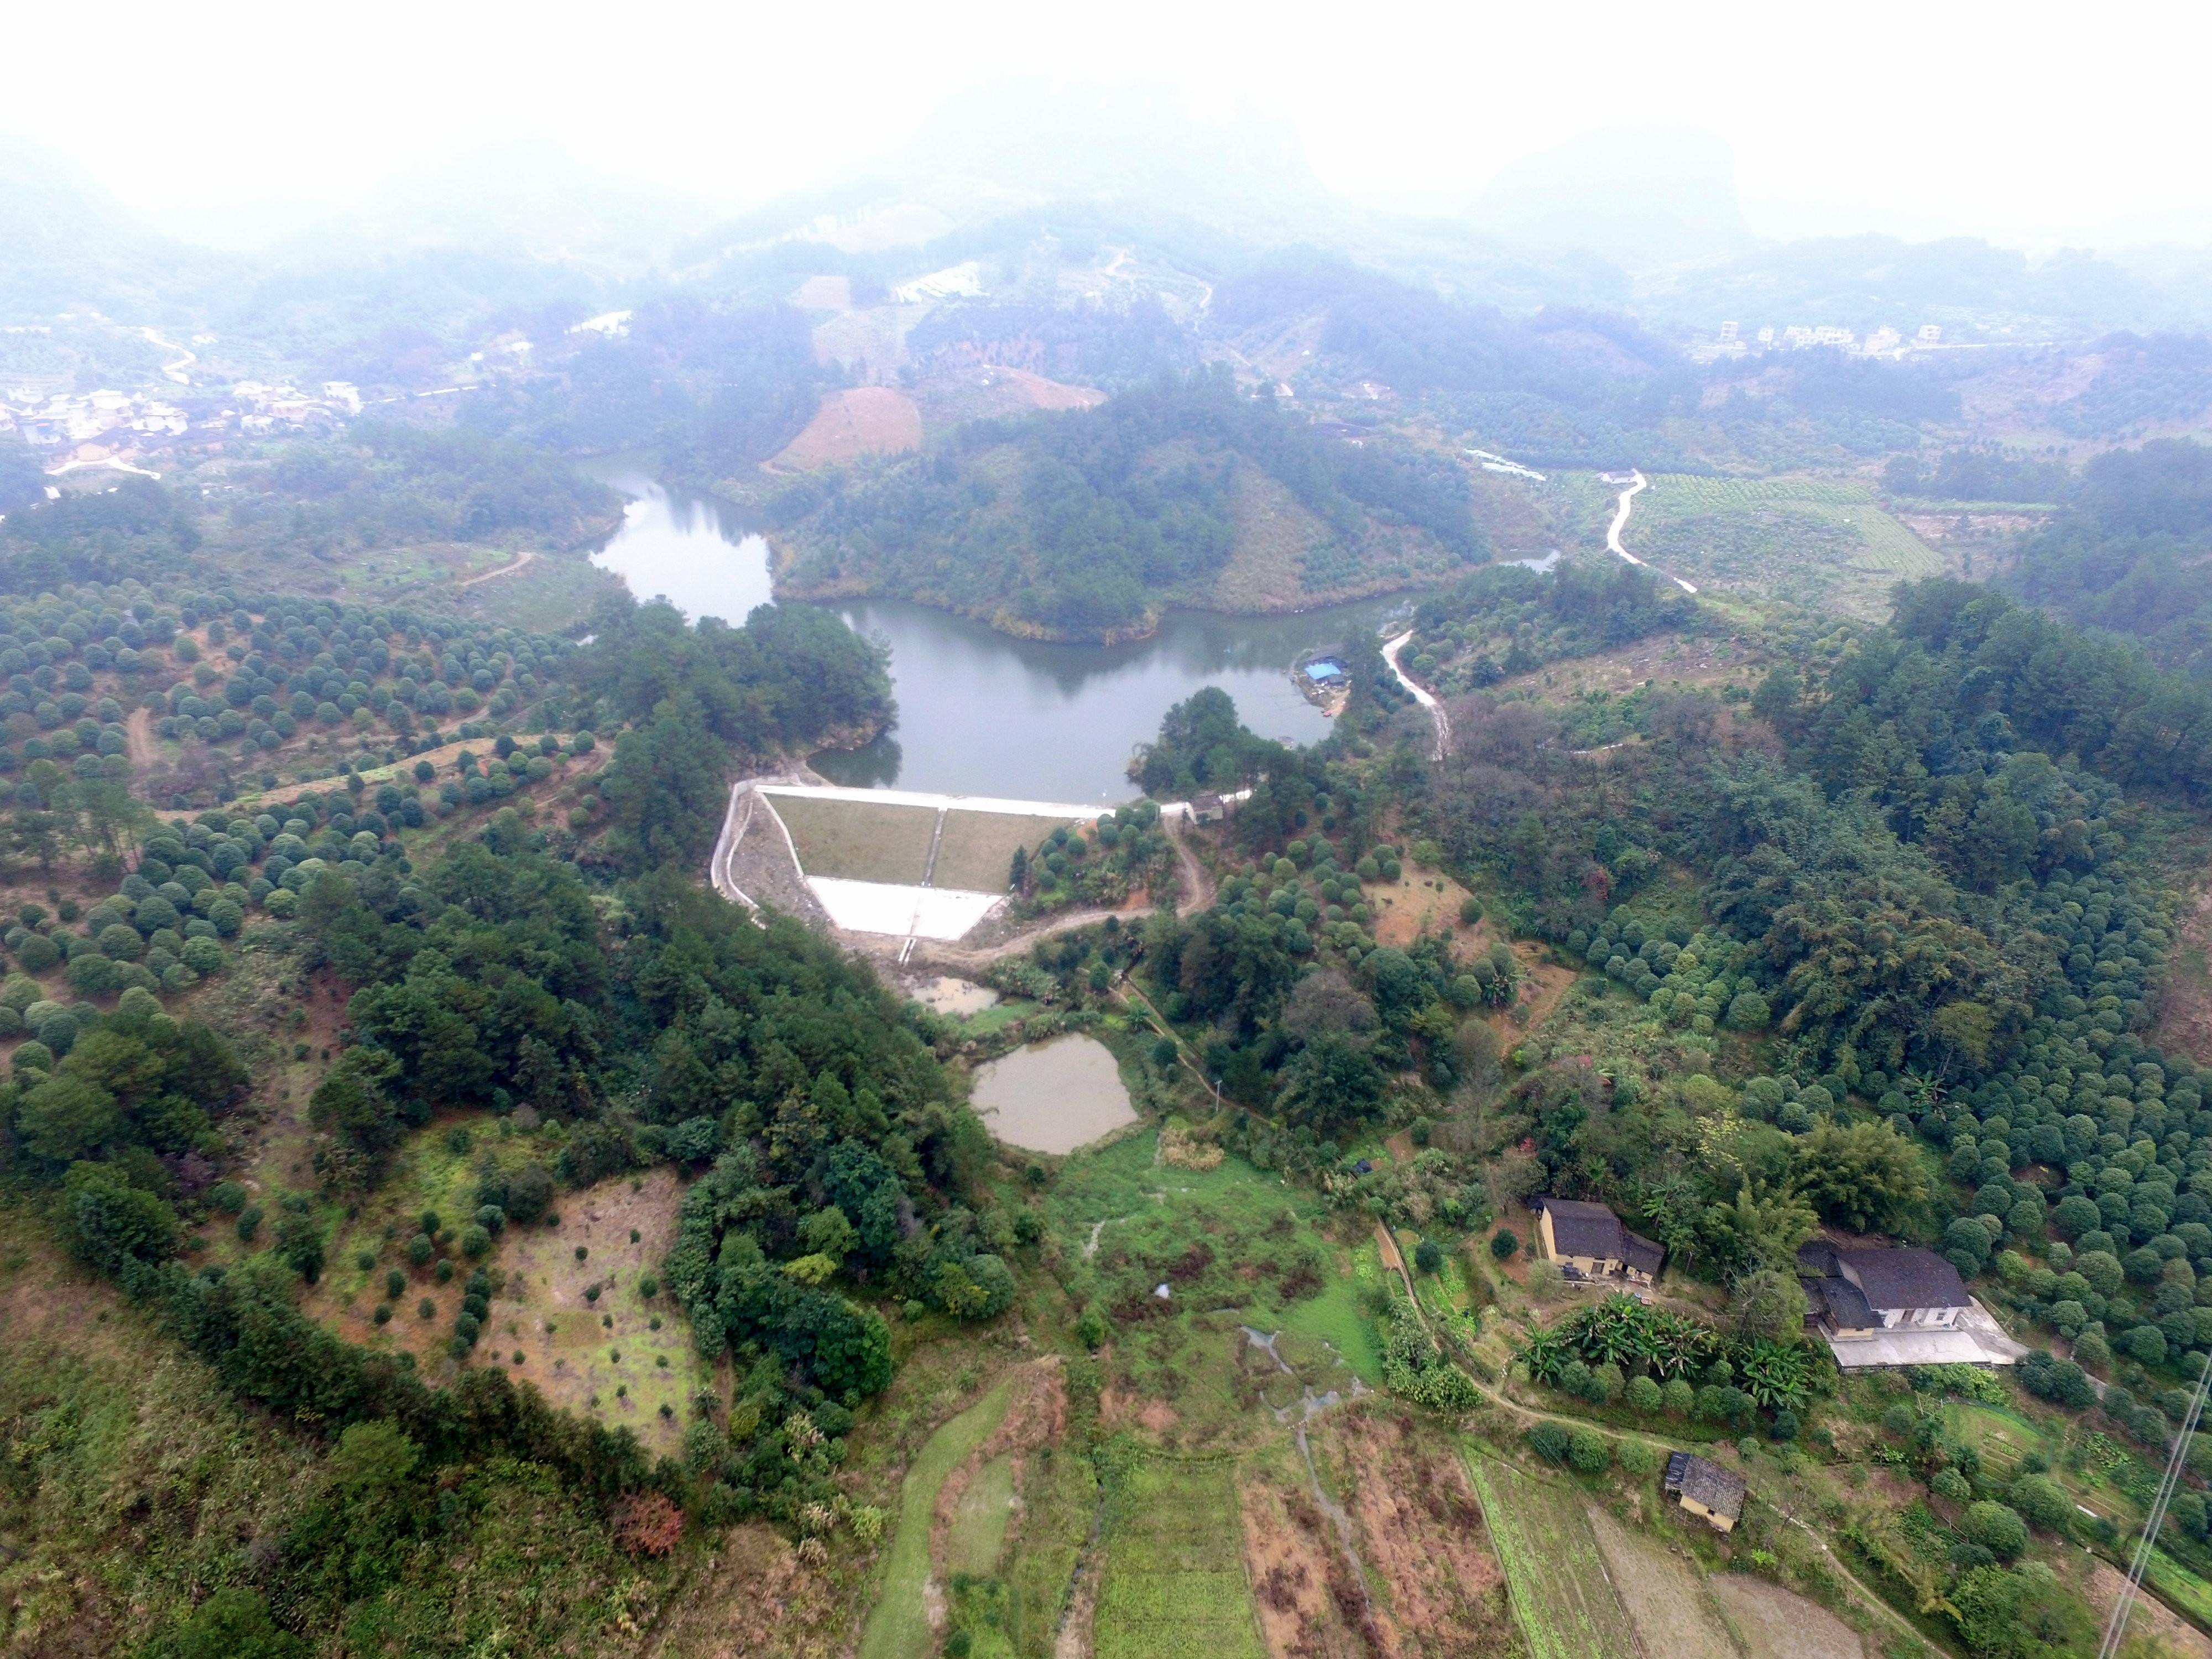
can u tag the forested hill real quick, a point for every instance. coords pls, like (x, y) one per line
(1084, 525)
(2133, 552)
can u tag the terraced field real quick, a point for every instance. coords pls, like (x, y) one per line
(1562, 1598)
(1175, 1586)
(900, 1627)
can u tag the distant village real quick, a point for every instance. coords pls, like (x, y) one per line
(136, 431)
(1729, 342)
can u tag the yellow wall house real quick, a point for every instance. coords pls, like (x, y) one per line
(1704, 1488)
(1589, 1242)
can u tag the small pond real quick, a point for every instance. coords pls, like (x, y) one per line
(1052, 1097)
(948, 995)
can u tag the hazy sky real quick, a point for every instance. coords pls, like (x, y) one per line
(2032, 124)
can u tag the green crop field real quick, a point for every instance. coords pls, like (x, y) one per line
(1817, 542)
(858, 841)
(1554, 1574)
(1174, 1586)
(899, 1626)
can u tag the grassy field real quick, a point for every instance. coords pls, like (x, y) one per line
(1234, 1241)
(1173, 1585)
(976, 853)
(978, 1534)
(899, 1626)
(1565, 1604)
(858, 841)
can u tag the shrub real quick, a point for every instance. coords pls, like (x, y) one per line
(1428, 1257)
(420, 1250)
(2145, 1343)
(1503, 1243)
(1677, 1398)
(426, 1309)
(1951, 1484)
(475, 1241)
(394, 1283)
(1996, 1529)
(1589, 1451)
(2041, 1502)
(1784, 1427)
(1645, 1395)
(2059, 1381)
(1639, 1457)
(648, 1524)
(249, 1223)
(228, 1196)
(383, 1313)
(444, 1273)
(1553, 1442)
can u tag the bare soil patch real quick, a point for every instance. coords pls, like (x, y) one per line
(2184, 1017)
(1422, 1537)
(1664, 1595)
(1543, 983)
(824, 293)
(1668, 659)
(1405, 909)
(579, 1350)
(1773, 1623)
(866, 420)
(1309, 1606)
(2152, 1617)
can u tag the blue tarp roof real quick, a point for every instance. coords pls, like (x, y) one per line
(1323, 670)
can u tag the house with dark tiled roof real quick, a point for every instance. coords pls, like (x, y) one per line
(1878, 1305)
(1704, 1488)
(1861, 1289)
(1589, 1242)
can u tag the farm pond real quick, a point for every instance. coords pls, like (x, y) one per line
(1052, 1097)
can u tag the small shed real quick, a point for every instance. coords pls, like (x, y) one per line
(1704, 1488)
(1207, 809)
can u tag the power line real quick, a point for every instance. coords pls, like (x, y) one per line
(2117, 1630)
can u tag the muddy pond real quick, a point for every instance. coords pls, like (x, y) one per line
(1052, 1097)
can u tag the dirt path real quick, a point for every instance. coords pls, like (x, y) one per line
(521, 561)
(1420, 693)
(1198, 888)
(139, 737)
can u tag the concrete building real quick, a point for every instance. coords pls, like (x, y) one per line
(1877, 1306)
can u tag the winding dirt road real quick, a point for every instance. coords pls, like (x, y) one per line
(1636, 483)
(1421, 695)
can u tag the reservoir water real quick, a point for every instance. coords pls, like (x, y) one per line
(981, 712)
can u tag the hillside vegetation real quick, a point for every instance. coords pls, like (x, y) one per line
(1083, 525)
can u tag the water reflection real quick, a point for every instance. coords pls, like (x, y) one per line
(980, 712)
(695, 552)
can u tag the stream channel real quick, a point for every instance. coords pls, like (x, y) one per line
(981, 713)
